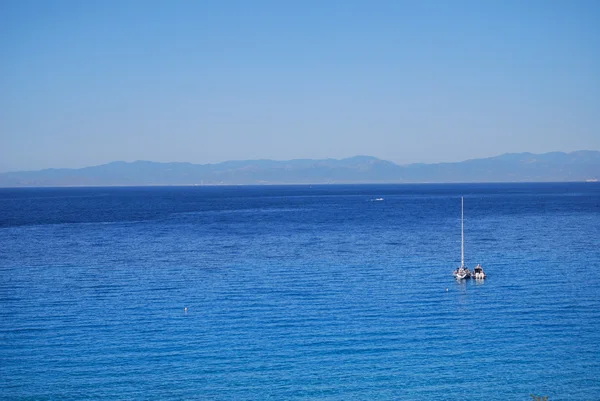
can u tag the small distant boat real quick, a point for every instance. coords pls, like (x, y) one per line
(478, 273)
(462, 272)
(379, 199)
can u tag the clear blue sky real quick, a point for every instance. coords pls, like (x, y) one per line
(89, 82)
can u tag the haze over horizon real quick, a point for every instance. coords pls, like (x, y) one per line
(300, 159)
(85, 84)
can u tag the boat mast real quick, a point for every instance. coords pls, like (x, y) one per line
(462, 232)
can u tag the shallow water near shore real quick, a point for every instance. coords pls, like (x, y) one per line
(300, 292)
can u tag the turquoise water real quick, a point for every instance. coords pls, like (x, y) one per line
(300, 292)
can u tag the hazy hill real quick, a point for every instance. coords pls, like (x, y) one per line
(514, 167)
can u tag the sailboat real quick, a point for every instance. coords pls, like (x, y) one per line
(462, 272)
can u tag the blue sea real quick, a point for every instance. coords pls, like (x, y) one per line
(300, 293)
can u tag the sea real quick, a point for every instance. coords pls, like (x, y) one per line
(322, 292)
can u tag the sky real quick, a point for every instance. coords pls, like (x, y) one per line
(89, 82)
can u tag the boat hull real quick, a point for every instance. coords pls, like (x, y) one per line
(462, 274)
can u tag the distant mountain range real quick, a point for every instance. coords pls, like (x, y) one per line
(512, 167)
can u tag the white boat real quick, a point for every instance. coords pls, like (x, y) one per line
(478, 273)
(462, 272)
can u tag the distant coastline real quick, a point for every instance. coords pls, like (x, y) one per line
(580, 166)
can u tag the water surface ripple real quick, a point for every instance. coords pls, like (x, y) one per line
(300, 292)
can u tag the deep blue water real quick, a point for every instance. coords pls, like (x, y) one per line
(300, 292)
